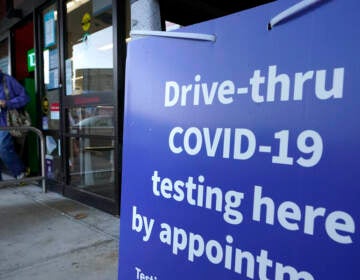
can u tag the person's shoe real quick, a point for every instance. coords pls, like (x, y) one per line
(20, 176)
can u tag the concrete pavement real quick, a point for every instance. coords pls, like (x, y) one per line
(48, 236)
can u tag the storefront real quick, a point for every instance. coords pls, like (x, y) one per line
(77, 85)
(81, 91)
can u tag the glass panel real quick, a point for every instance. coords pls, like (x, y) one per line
(91, 165)
(89, 71)
(89, 60)
(52, 158)
(50, 98)
(4, 56)
(50, 92)
(96, 120)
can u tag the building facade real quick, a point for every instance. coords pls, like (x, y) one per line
(71, 57)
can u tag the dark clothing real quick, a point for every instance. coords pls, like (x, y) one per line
(17, 99)
(9, 156)
(17, 96)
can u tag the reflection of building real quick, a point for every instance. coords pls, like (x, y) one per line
(92, 62)
(93, 80)
(80, 57)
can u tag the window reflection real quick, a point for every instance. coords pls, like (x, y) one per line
(97, 120)
(89, 71)
(89, 63)
(92, 164)
(4, 56)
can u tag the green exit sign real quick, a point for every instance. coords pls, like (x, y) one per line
(31, 60)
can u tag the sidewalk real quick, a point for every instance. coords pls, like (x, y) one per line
(48, 236)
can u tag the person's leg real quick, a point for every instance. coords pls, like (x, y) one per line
(9, 155)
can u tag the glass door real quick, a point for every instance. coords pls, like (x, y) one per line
(90, 98)
(50, 90)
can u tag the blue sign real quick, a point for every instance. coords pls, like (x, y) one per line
(241, 156)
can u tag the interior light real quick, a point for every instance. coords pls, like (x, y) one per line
(70, 4)
(105, 47)
(46, 55)
(74, 4)
(79, 78)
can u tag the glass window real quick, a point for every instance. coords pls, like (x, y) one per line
(91, 164)
(51, 96)
(4, 56)
(50, 90)
(89, 73)
(92, 120)
(89, 60)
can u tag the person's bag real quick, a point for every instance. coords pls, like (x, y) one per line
(18, 118)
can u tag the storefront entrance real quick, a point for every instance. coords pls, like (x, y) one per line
(80, 50)
(79, 101)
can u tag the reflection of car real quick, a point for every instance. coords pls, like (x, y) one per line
(96, 125)
(93, 154)
(96, 121)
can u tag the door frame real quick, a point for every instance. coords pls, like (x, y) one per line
(119, 14)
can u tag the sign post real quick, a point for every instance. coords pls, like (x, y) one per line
(241, 156)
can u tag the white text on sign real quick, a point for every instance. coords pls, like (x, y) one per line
(241, 144)
(261, 88)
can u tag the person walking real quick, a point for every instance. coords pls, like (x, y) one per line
(17, 99)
